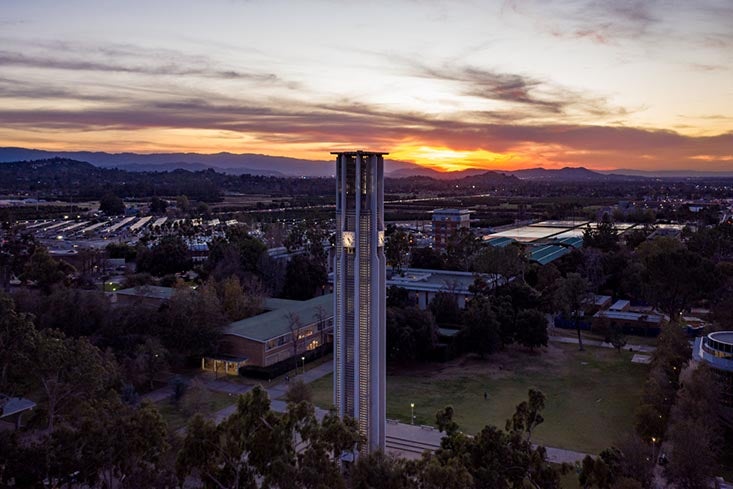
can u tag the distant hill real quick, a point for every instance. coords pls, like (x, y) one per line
(568, 174)
(421, 171)
(672, 173)
(234, 164)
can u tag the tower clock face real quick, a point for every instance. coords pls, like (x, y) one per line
(348, 239)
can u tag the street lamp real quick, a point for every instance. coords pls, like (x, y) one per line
(303, 360)
(412, 413)
(654, 450)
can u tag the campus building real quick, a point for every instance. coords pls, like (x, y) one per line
(445, 224)
(716, 350)
(276, 340)
(360, 295)
(147, 296)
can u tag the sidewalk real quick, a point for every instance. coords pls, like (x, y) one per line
(158, 394)
(409, 441)
(275, 391)
(602, 344)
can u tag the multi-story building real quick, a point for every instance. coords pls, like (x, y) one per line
(359, 295)
(716, 350)
(445, 224)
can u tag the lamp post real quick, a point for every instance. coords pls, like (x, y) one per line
(303, 360)
(412, 413)
(654, 449)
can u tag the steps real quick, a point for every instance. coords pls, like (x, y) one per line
(411, 446)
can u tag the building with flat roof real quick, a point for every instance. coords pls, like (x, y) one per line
(143, 295)
(716, 350)
(422, 284)
(445, 224)
(360, 314)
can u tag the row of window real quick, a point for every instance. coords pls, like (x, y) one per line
(302, 334)
(717, 348)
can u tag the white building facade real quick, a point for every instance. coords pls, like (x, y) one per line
(360, 295)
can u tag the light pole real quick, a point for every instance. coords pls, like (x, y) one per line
(654, 449)
(412, 413)
(303, 360)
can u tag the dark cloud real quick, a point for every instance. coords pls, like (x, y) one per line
(350, 123)
(172, 68)
(540, 98)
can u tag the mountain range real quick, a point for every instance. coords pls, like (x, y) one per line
(281, 166)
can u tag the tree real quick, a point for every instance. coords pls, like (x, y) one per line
(182, 203)
(665, 261)
(151, 358)
(111, 205)
(241, 300)
(16, 248)
(604, 236)
(75, 312)
(158, 206)
(294, 326)
(480, 333)
(460, 249)
(18, 337)
(572, 293)
(298, 391)
(237, 253)
(196, 399)
(398, 297)
(527, 415)
(44, 270)
(426, 258)
(397, 249)
(695, 432)
(303, 277)
(254, 447)
(121, 250)
(503, 262)
(613, 333)
(411, 334)
(378, 470)
(69, 371)
(531, 328)
(192, 322)
(169, 255)
(444, 307)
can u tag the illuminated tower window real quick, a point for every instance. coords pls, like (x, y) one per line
(359, 294)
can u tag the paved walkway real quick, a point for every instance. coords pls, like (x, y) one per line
(274, 391)
(602, 344)
(158, 394)
(409, 441)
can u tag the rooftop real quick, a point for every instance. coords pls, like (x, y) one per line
(547, 254)
(629, 316)
(722, 337)
(435, 280)
(15, 405)
(275, 322)
(451, 211)
(148, 291)
(359, 152)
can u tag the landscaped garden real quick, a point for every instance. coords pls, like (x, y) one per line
(591, 395)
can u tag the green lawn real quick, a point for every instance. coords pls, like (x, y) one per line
(591, 395)
(176, 417)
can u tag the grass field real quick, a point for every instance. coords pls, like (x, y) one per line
(591, 395)
(176, 416)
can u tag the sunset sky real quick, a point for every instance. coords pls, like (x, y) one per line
(515, 84)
